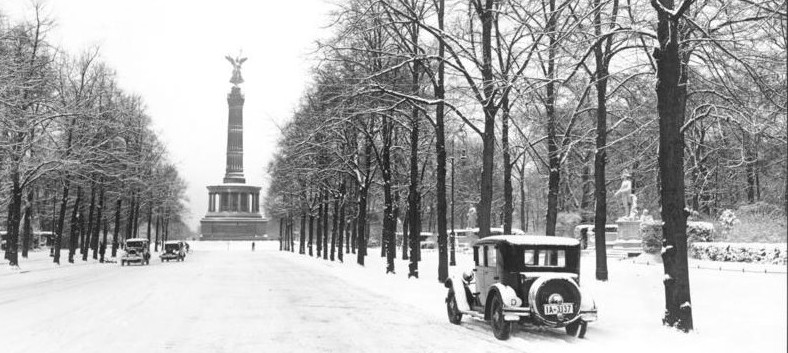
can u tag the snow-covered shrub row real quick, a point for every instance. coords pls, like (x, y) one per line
(651, 233)
(763, 253)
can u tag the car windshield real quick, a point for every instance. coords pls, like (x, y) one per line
(134, 244)
(170, 247)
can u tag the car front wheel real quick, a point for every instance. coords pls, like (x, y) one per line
(577, 329)
(455, 316)
(502, 329)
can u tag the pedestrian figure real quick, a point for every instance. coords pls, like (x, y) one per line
(584, 238)
(252, 246)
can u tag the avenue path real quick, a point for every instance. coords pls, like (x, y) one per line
(218, 301)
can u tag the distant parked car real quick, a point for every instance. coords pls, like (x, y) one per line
(173, 250)
(517, 278)
(136, 250)
(428, 240)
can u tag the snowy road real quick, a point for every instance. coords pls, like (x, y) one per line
(219, 301)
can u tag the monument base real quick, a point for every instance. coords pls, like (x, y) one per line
(232, 228)
(629, 237)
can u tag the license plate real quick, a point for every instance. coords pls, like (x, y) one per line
(555, 309)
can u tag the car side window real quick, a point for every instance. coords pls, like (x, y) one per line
(490, 258)
(476, 255)
(529, 257)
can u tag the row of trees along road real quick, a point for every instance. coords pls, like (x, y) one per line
(512, 83)
(78, 156)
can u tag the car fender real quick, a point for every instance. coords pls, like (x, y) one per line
(587, 302)
(508, 295)
(458, 287)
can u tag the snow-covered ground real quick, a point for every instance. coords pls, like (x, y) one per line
(225, 298)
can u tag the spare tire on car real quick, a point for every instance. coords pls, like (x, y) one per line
(555, 301)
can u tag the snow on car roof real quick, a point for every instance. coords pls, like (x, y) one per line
(136, 239)
(172, 242)
(529, 240)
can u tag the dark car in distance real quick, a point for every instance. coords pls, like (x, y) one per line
(136, 250)
(173, 250)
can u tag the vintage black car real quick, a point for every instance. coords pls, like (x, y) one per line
(526, 279)
(173, 250)
(136, 250)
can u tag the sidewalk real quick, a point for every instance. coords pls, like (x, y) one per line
(39, 260)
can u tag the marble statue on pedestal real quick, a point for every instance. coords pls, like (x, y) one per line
(628, 200)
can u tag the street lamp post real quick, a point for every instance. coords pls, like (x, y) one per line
(453, 240)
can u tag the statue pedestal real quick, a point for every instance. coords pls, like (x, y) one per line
(629, 238)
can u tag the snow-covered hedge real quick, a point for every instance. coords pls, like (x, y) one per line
(652, 234)
(764, 253)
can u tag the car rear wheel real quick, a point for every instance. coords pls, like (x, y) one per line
(455, 316)
(577, 329)
(502, 329)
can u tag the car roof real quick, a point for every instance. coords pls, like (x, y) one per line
(528, 240)
(136, 239)
(172, 242)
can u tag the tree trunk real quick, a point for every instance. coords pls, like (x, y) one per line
(341, 233)
(586, 184)
(414, 204)
(325, 224)
(292, 233)
(104, 241)
(302, 234)
(281, 234)
(61, 221)
(389, 223)
(334, 229)
(319, 239)
(523, 212)
(552, 138)
(76, 220)
(600, 187)
(671, 103)
(486, 16)
(130, 218)
(27, 226)
(118, 206)
(361, 220)
(405, 238)
(508, 207)
(72, 239)
(353, 234)
(94, 242)
(12, 228)
(311, 232)
(86, 236)
(150, 218)
(137, 216)
(156, 246)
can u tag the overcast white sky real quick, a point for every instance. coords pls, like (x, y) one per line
(172, 54)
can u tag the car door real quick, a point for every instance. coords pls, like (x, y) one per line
(487, 271)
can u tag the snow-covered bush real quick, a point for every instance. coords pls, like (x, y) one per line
(764, 253)
(728, 219)
(759, 222)
(567, 221)
(651, 233)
